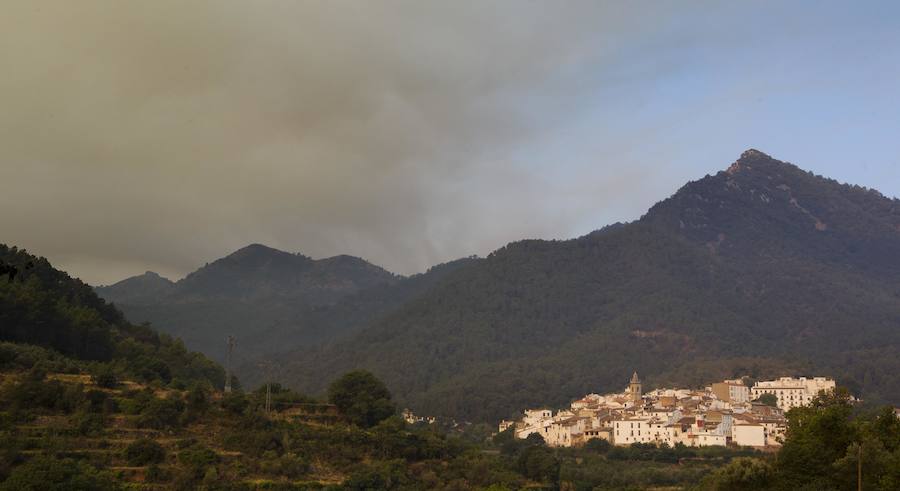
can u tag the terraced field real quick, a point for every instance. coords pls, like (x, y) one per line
(204, 447)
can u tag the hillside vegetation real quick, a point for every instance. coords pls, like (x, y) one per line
(44, 307)
(269, 299)
(69, 432)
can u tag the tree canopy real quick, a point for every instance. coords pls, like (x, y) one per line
(361, 398)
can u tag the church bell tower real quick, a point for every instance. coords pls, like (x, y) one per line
(634, 387)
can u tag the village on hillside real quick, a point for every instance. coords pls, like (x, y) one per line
(727, 412)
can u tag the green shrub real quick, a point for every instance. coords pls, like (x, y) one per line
(598, 445)
(161, 414)
(105, 377)
(145, 451)
(88, 423)
(539, 463)
(235, 402)
(43, 473)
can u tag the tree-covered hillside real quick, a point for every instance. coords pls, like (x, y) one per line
(273, 301)
(252, 291)
(761, 270)
(42, 306)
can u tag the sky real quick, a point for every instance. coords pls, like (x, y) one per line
(160, 135)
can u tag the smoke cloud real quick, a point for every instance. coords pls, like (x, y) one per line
(160, 135)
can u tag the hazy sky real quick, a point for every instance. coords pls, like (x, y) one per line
(158, 135)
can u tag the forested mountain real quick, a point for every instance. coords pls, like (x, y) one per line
(89, 401)
(137, 290)
(44, 307)
(762, 269)
(270, 299)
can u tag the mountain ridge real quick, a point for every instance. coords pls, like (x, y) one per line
(270, 299)
(724, 275)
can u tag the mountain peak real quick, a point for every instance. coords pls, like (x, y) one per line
(752, 153)
(137, 289)
(256, 249)
(749, 159)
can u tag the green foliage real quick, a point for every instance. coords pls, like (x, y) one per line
(817, 436)
(307, 302)
(235, 402)
(196, 404)
(275, 450)
(539, 463)
(598, 445)
(21, 357)
(196, 460)
(380, 475)
(155, 474)
(742, 474)
(88, 423)
(105, 377)
(664, 454)
(10, 453)
(47, 308)
(50, 474)
(161, 413)
(361, 398)
(768, 400)
(34, 393)
(145, 451)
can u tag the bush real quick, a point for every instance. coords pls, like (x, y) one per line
(43, 473)
(197, 461)
(156, 473)
(87, 423)
(768, 400)
(378, 475)
(161, 413)
(105, 377)
(742, 474)
(145, 451)
(235, 403)
(539, 463)
(598, 445)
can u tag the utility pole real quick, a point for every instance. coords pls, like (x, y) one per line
(859, 469)
(266, 365)
(231, 343)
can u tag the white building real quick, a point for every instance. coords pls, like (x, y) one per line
(747, 434)
(707, 439)
(535, 416)
(793, 392)
(733, 391)
(565, 432)
(627, 431)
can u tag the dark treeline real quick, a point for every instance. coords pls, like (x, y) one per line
(43, 306)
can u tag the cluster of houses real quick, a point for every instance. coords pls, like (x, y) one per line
(412, 419)
(724, 413)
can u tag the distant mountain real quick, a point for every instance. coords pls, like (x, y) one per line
(761, 269)
(146, 288)
(257, 272)
(42, 306)
(270, 299)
